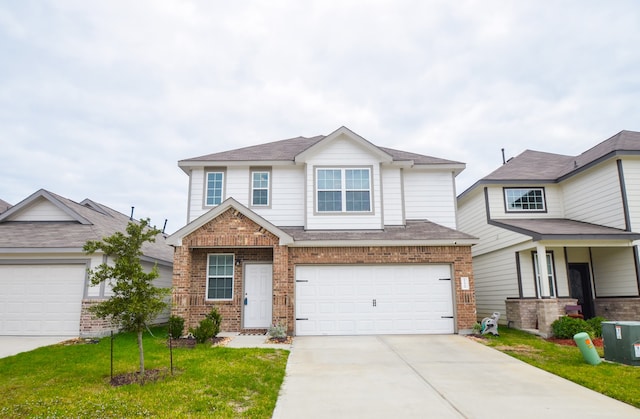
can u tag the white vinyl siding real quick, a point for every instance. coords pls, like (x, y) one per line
(594, 197)
(614, 272)
(429, 195)
(42, 210)
(631, 169)
(495, 279)
(472, 219)
(392, 196)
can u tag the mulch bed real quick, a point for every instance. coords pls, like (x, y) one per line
(286, 340)
(597, 342)
(135, 377)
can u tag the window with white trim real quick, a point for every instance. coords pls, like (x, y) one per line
(215, 188)
(220, 277)
(524, 199)
(260, 188)
(550, 276)
(343, 190)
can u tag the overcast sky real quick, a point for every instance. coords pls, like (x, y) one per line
(100, 99)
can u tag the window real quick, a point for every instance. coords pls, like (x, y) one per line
(550, 276)
(524, 199)
(260, 188)
(343, 190)
(215, 182)
(220, 277)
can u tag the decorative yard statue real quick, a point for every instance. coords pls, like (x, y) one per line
(490, 324)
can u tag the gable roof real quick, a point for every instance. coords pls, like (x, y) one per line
(4, 205)
(87, 221)
(176, 238)
(294, 149)
(536, 166)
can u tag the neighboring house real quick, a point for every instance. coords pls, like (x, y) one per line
(44, 286)
(4, 205)
(324, 235)
(581, 212)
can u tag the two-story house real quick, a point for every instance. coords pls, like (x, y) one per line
(325, 235)
(580, 212)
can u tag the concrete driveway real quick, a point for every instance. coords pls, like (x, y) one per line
(12, 345)
(434, 376)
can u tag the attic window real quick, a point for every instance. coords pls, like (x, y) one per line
(524, 200)
(343, 190)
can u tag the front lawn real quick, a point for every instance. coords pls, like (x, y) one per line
(618, 381)
(73, 381)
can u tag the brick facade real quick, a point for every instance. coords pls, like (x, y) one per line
(618, 309)
(536, 314)
(92, 326)
(232, 232)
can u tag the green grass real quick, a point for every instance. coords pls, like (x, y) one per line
(73, 381)
(618, 381)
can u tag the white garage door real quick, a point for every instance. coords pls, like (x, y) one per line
(367, 300)
(38, 300)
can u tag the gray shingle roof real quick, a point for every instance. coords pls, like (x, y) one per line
(563, 229)
(71, 234)
(540, 166)
(287, 150)
(413, 231)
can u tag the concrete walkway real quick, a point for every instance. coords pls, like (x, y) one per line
(12, 345)
(435, 376)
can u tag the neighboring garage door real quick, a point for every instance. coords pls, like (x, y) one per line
(38, 300)
(373, 299)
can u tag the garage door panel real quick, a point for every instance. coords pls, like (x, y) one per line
(41, 299)
(408, 299)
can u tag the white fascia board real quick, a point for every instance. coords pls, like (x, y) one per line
(382, 243)
(187, 166)
(15, 250)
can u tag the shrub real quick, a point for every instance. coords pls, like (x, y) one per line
(278, 331)
(176, 326)
(566, 327)
(204, 331)
(216, 319)
(596, 326)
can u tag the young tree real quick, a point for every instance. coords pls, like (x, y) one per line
(135, 300)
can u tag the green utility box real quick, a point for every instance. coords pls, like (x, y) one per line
(622, 342)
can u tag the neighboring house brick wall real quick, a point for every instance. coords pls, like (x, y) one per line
(91, 325)
(619, 309)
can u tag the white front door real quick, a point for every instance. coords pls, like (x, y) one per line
(258, 285)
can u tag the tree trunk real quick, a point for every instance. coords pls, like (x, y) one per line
(141, 352)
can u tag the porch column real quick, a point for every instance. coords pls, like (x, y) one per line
(543, 272)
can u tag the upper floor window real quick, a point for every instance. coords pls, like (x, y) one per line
(524, 199)
(260, 188)
(343, 190)
(215, 185)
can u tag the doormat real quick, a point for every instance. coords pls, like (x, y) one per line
(253, 332)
